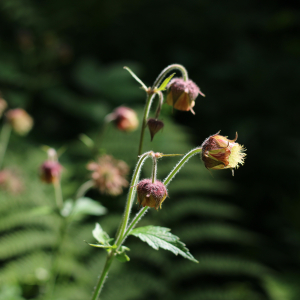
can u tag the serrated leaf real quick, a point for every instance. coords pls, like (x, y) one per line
(86, 206)
(161, 237)
(101, 236)
(165, 83)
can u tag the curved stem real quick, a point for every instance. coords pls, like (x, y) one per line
(4, 139)
(84, 188)
(100, 283)
(145, 117)
(168, 69)
(130, 197)
(180, 164)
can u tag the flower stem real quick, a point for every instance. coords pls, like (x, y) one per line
(83, 189)
(180, 164)
(154, 169)
(58, 194)
(100, 283)
(167, 70)
(145, 117)
(4, 139)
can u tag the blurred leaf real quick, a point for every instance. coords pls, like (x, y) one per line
(101, 236)
(86, 206)
(160, 237)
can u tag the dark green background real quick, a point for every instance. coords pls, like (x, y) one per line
(244, 55)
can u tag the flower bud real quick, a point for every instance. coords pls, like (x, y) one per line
(151, 194)
(20, 120)
(218, 152)
(3, 106)
(182, 94)
(50, 171)
(11, 181)
(125, 118)
(109, 175)
(154, 126)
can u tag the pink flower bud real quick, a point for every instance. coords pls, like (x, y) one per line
(154, 126)
(151, 194)
(3, 106)
(125, 118)
(20, 120)
(182, 94)
(218, 152)
(50, 171)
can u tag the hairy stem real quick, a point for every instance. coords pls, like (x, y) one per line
(4, 139)
(167, 70)
(180, 164)
(145, 118)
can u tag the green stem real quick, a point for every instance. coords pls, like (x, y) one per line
(145, 118)
(4, 139)
(167, 70)
(84, 188)
(58, 194)
(180, 164)
(100, 283)
(154, 169)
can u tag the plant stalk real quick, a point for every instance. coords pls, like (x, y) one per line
(84, 188)
(4, 139)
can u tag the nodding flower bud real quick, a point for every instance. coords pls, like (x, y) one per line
(182, 94)
(3, 106)
(20, 120)
(50, 171)
(151, 194)
(124, 118)
(218, 152)
(155, 126)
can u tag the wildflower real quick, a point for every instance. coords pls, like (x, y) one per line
(154, 126)
(151, 194)
(109, 175)
(50, 171)
(20, 120)
(182, 94)
(218, 152)
(11, 181)
(124, 118)
(3, 106)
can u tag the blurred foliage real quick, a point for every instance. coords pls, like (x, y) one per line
(62, 61)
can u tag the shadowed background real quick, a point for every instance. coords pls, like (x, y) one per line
(62, 62)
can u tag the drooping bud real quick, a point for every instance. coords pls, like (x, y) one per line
(50, 171)
(154, 126)
(182, 94)
(20, 120)
(124, 118)
(3, 106)
(218, 152)
(151, 194)
(108, 175)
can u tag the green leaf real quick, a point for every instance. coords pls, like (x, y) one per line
(101, 236)
(87, 140)
(123, 257)
(67, 208)
(136, 78)
(86, 206)
(165, 83)
(161, 237)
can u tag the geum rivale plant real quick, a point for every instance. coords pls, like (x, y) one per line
(217, 152)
